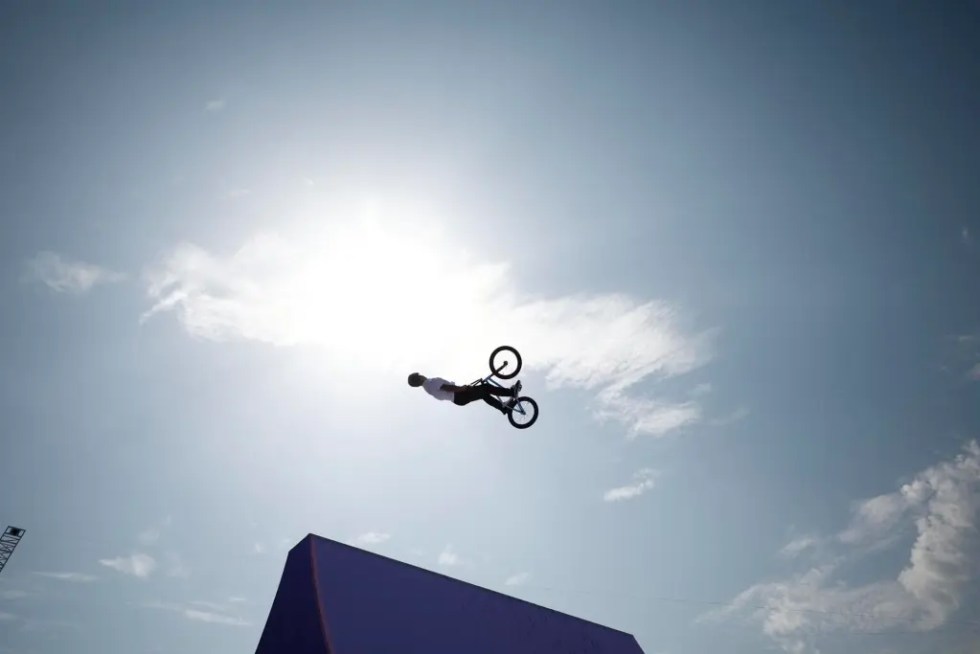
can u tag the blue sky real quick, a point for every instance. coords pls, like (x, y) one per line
(736, 245)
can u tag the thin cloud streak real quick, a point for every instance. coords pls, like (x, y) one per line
(448, 557)
(74, 577)
(644, 481)
(68, 276)
(136, 565)
(372, 538)
(214, 616)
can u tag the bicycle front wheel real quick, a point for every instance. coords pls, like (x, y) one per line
(505, 362)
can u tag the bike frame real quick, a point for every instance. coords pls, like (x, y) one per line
(489, 379)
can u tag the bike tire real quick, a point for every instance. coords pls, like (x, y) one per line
(500, 355)
(530, 406)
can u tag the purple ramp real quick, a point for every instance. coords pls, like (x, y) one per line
(338, 599)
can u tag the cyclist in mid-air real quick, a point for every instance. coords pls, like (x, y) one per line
(441, 389)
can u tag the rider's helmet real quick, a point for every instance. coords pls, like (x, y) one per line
(415, 379)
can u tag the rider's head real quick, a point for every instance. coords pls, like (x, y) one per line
(415, 379)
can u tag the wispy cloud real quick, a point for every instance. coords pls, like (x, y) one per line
(12, 594)
(75, 577)
(966, 236)
(176, 567)
(68, 276)
(153, 533)
(211, 606)
(940, 506)
(517, 579)
(259, 548)
(701, 389)
(873, 520)
(448, 557)
(214, 106)
(215, 615)
(372, 538)
(138, 565)
(654, 418)
(643, 481)
(215, 618)
(798, 545)
(974, 372)
(738, 414)
(295, 289)
(7, 616)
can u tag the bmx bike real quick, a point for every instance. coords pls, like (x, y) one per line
(505, 363)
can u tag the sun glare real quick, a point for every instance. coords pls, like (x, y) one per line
(383, 296)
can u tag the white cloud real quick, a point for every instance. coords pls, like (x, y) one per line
(214, 616)
(974, 373)
(372, 538)
(448, 557)
(137, 565)
(643, 481)
(214, 106)
(651, 417)
(237, 599)
(940, 506)
(7, 616)
(874, 519)
(75, 577)
(308, 288)
(68, 276)
(259, 548)
(517, 579)
(966, 236)
(798, 545)
(152, 534)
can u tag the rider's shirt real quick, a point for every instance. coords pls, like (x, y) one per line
(433, 386)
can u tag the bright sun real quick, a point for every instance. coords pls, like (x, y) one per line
(384, 296)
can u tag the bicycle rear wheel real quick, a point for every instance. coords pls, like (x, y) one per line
(524, 413)
(505, 362)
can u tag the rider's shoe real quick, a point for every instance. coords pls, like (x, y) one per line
(511, 401)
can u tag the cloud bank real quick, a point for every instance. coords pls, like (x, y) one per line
(938, 511)
(385, 299)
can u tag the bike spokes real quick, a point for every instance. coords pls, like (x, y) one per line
(524, 413)
(505, 362)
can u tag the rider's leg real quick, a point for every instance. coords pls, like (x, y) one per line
(493, 389)
(495, 403)
(483, 392)
(488, 391)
